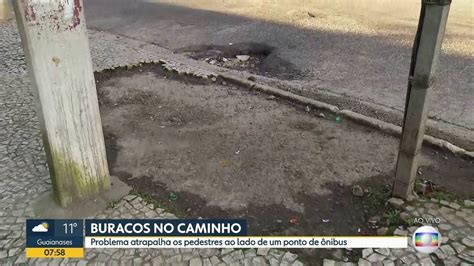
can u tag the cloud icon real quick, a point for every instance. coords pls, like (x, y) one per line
(42, 227)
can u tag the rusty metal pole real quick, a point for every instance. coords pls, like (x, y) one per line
(54, 38)
(433, 19)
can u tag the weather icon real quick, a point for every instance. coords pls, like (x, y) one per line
(42, 227)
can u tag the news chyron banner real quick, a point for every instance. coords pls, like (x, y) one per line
(213, 234)
(68, 238)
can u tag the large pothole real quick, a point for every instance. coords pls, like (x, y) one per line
(258, 58)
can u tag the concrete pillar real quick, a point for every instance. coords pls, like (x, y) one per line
(54, 38)
(427, 47)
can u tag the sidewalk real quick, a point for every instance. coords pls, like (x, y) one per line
(24, 178)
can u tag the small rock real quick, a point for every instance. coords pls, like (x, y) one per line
(455, 206)
(409, 259)
(458, 247)
(271, 97)
(195, 262)
(427, 261)
(225, 60)
(383, 251)
(226, 251)
(212, 62)
(363, 262)
(307, 109)
(468, 242)
(213, 79)
(404, 216)
(374, 220)
(289, 257)
(262, 251)
(469, 203)
(322, 115)
(445, 227)
(388, 262)
(374, 257)
(327, 262)
(366, 252)
(396, 202)
(243, 58)
(443, 202)
(357, 191)
(448, 250)
(215, 260)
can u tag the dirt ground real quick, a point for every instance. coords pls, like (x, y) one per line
(204, 149)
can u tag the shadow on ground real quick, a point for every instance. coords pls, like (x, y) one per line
(372, 67)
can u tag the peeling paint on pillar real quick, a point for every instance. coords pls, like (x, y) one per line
(30, 15)
(64, 15)
(77, 12)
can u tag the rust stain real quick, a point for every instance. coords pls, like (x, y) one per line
(77, 13)
(30, 15)
(56, 60)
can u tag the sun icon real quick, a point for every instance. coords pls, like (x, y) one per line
(45, 224)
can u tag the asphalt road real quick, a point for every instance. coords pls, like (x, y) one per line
(360, 49)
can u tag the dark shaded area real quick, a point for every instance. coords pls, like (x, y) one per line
(355, 66)
(262, 59)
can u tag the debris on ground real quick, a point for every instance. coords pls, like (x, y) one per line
(374, 221)
(426, 188)
(307, 109)
(338, 119)
(294, 221)
(271, 97)
(322, 115)
(396, 202)
(243, 58)
(357, 191)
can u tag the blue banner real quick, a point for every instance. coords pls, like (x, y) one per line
(54, 233)
(175, 227)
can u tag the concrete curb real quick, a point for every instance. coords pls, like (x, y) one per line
(385, 127)
(380, 125)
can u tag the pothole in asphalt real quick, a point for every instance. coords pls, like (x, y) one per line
(258, 58)
(213, 151)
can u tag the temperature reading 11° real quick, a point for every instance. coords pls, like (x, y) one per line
(69, 228)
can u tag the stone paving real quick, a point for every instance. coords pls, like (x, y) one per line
(455, 225)
(24, 178)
